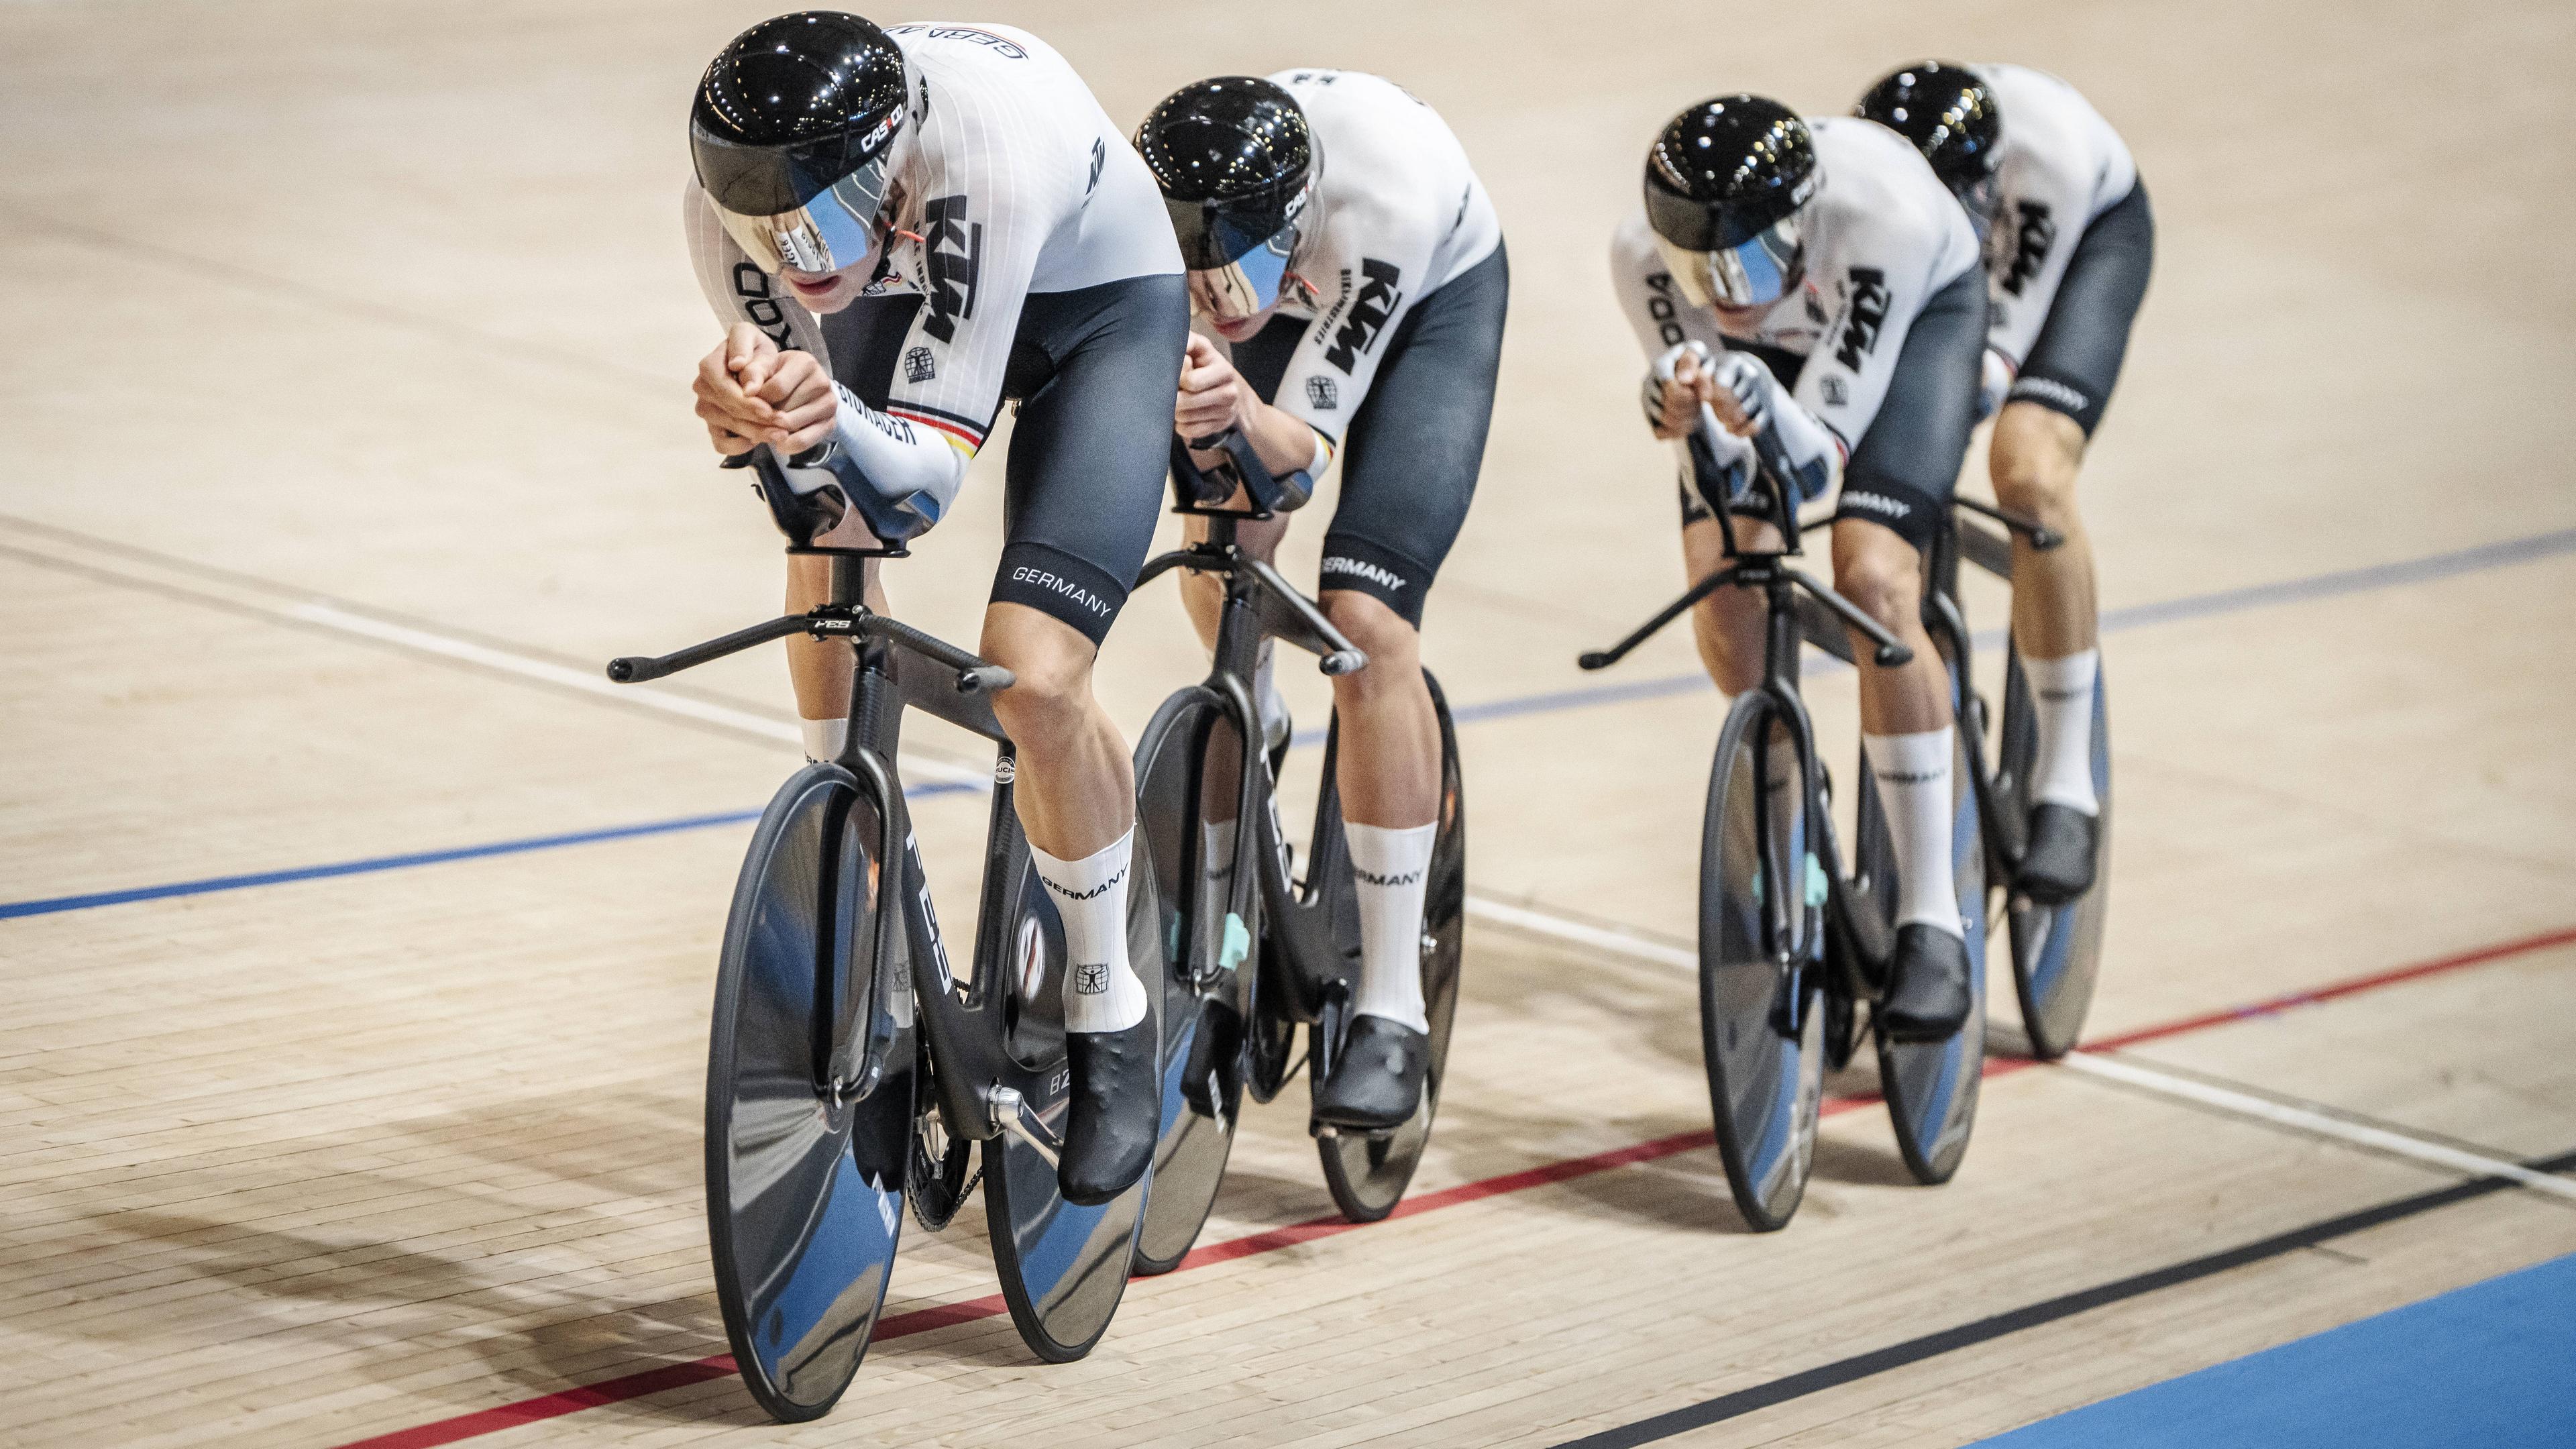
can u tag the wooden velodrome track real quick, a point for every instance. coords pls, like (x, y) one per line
(355, 946)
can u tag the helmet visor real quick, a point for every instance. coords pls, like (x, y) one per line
(835, 228)
(1250, 282)
(1751, 273)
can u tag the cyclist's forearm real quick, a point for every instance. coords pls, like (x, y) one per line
(900, 458)
(1284, 442)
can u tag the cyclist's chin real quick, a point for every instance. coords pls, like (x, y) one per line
(823, 292)
(1236, 329)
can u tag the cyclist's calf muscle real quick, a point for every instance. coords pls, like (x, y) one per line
(2034, 456)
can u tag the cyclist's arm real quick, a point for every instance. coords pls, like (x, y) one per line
(1666, 325)
(1371, 267)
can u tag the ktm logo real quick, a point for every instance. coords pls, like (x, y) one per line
(1866, 313)
(955, 250)
(2031, 241)
(1376, 302)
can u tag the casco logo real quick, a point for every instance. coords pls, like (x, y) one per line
(869, 143)
(968, 34)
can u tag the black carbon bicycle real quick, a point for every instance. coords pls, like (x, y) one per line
(848, 1070)
(1791, 947)
(1258, 952)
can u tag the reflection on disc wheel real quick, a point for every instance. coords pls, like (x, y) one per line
(804, 1193)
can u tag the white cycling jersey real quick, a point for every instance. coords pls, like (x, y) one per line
(1017, 183)
(1397, 212)
(2060, 166)
(1882, 235)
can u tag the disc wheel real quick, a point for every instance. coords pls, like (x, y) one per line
(1762, 1018)
(1063, 1267)
(1188, 772)
(1931, 1087)
(2056, 950)
(1368, 1174)
(804, 1191)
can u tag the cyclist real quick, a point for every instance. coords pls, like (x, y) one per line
(1348, 281)
(901, 229)
(2069, 242)
(1809, 289)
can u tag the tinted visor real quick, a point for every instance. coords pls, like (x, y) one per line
(1751, 273)
(835, 228)
(1246, 284)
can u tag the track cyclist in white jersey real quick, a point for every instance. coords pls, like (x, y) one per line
(2069, 243)
(901, 229)
(1349, 282)
(1814, 281)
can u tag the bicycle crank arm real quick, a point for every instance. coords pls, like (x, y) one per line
(1011, 1114)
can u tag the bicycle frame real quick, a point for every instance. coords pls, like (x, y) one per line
(982, 1087)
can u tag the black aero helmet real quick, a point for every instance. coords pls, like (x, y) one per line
(1724, 186)
(1949, 113)
(794, 134)
(1236, 164)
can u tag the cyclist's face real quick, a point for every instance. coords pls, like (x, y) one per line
(826, 292)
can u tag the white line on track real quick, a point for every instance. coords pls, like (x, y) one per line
(2316, 1123)
(249, 594)
(2107, 1067)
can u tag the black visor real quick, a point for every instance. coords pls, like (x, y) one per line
(768, 180)
(1215, 234)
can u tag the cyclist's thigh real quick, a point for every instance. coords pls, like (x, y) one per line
(2076, 361)
(1906, 468)
(1410, 463)
(1096, 371)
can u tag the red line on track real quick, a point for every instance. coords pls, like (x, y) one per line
(670, 1376)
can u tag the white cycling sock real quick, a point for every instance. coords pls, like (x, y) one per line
(1393, 871)
(2062, 691)
(824, 737)
(1913, 776)
(1101, 992)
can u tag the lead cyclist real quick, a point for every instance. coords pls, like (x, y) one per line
(900, 229)
(2069, 240)
(1349, 283)
(1809, 285)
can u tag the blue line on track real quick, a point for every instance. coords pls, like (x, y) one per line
(2487, 1365)
(2198, 606)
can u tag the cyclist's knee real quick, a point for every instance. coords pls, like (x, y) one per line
(1050, 666)
(1879, 572)
(1393, 647)
(2034, 457)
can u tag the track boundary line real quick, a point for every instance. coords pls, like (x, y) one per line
(663, 1377)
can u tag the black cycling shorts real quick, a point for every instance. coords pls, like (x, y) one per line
(1906, 469)
(2076, 361)
(1094, 372)
(1410, 458)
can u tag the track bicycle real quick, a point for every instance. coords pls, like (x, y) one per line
(1791, 947)
(1265, 949)
(848, 1071)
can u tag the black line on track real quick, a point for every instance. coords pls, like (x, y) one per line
(1986, 1330)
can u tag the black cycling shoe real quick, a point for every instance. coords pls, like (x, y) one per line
(1928, 996)
(1377, 1083)
(2058, 865)
(1115, 1113)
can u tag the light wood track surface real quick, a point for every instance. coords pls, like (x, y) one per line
(347, 431)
